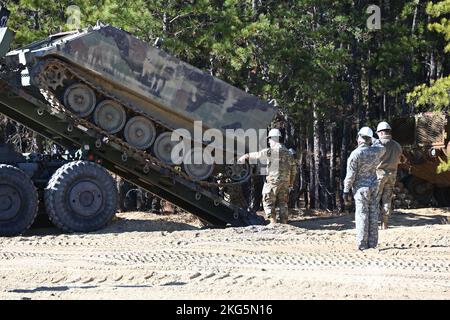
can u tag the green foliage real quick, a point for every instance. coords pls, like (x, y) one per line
(440, 9)
(437, 95)
(301, 53)
(443, 166)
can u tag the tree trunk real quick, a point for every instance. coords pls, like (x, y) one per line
(303, 167)
(323, 162)
(332, 181)
(316, 157)
(311, 184)
(413, 26)
(343, 160)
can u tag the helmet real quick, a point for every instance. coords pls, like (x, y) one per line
(366, 132)
(383, 126)
(274, 133)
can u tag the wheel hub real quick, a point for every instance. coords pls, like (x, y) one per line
(163, 147)
(238, 172)
(5, 202)
(85, 198)
(80, 98)
(10, 202)
(198, 171)
(140, 132)
(110, 116)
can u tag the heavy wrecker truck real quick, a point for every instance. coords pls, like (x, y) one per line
(425, 139)
(117, 99)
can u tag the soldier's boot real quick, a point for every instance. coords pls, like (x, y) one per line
(272, 220)
(284, 214)
(284, 219)
(384, 222)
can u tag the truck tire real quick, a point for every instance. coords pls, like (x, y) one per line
(81, 196)
(18, 201)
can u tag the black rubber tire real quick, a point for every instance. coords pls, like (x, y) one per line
(58, 191)
(26, 214)
(442, 196)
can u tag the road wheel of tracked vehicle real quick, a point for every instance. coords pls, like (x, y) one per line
(81, 196)
(198, 171)
(238, 172)
(140, 132)
(18, 201)
(80, 99)
(110, 116)
(163, 147)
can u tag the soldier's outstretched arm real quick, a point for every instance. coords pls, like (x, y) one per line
(255, 156)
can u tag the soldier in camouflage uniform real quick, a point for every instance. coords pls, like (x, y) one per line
(387, 170)
(280, 177)
(362, 180)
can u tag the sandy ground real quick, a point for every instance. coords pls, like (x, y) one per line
(146, 256)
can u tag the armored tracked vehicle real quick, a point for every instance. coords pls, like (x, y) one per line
(105, 90)
(140, 94)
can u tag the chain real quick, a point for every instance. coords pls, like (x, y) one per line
(130, 150)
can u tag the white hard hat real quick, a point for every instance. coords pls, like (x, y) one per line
(383, 126)
(366, 132)
(274, 133)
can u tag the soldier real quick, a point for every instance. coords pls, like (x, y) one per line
(387, 170)
(279, 179)
(362, 179)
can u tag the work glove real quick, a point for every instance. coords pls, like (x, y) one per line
(242, 159)
(347, 199)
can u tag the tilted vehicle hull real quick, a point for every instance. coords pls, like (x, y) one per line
(162, 85)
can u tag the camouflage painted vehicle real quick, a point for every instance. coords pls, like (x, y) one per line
(117, 100)
(139, 93)
(425, 139)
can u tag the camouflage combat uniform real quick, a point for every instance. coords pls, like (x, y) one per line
(362, 179)
(279, 178)
(387, 172)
